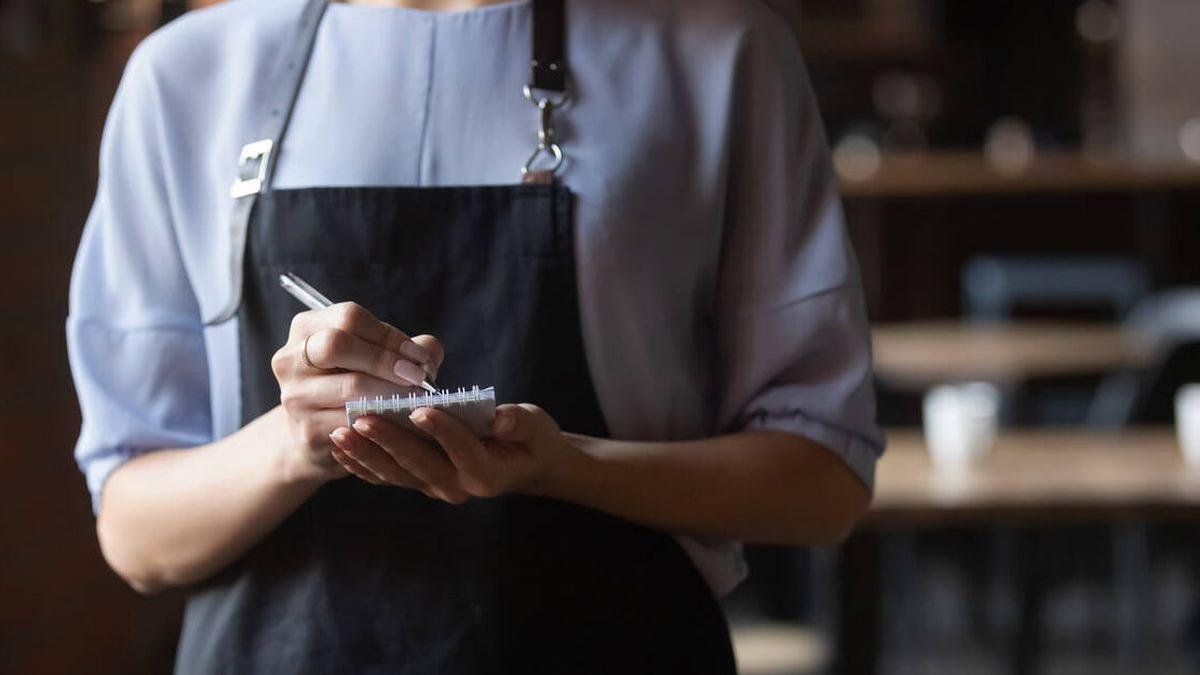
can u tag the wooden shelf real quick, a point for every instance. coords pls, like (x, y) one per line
(937, 174)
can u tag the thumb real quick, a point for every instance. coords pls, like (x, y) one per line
(518, 423)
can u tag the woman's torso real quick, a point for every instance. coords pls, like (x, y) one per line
(408, 97)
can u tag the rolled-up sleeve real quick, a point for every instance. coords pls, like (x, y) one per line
(134, 334)
(792, 324)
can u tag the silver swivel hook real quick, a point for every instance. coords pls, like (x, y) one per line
(547, 142)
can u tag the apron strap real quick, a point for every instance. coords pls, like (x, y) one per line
(548, 69)
(548, 64)
(257, 162)
(547, 77)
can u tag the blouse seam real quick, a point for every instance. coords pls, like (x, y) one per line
(427, 104)
(762, 415)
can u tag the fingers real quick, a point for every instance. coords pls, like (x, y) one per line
(519, 423)
(330, 392)
(369, 462)
(352, 467)
(337, 336)
(355, 319)
(336, 348)
(348, 316)
(463, 448)
(415, 456)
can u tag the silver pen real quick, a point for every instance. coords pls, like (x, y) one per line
(313, 299)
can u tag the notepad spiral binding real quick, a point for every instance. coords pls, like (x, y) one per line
(474, 406)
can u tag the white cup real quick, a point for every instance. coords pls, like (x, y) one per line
(960, 423)
(1187, 423)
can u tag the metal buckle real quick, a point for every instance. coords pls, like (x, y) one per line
(547, 138)
(244, 187)
(539, 101)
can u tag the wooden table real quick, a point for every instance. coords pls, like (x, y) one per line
(1038, 476)
(919, 354)
(1031, 479)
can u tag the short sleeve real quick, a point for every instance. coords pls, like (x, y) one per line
(792, 324)
(134, 334)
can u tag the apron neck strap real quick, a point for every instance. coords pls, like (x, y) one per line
(257, 162)
(548, 63)
(548, 71)
(256, 165)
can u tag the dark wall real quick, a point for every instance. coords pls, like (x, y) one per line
(61, 609)
(912, 250)
(984, 59)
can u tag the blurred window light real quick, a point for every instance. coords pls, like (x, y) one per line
(1097, 21)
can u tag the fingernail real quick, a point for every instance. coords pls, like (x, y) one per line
(361, 426)
(505, 421)
(420, 417)
(409, 371)
(414, 352)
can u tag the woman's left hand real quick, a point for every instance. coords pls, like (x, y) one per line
(526, 451)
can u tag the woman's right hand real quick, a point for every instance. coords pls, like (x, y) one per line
(333, 355)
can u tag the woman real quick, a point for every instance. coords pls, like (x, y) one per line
(669, 268)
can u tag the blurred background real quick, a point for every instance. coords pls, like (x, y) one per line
(1022, 186)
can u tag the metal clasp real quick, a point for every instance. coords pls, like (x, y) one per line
(547, 138)
(258, 150)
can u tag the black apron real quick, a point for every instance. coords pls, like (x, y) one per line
(364, 578)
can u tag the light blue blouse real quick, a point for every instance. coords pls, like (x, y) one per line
(718, 290)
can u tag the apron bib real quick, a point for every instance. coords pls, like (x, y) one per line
(366, 578)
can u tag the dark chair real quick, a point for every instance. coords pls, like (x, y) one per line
(1155, 402)
(1166, 327)
(998, 288)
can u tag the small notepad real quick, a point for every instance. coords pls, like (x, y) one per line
(474, 406)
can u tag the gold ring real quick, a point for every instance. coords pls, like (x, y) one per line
(308, 362)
